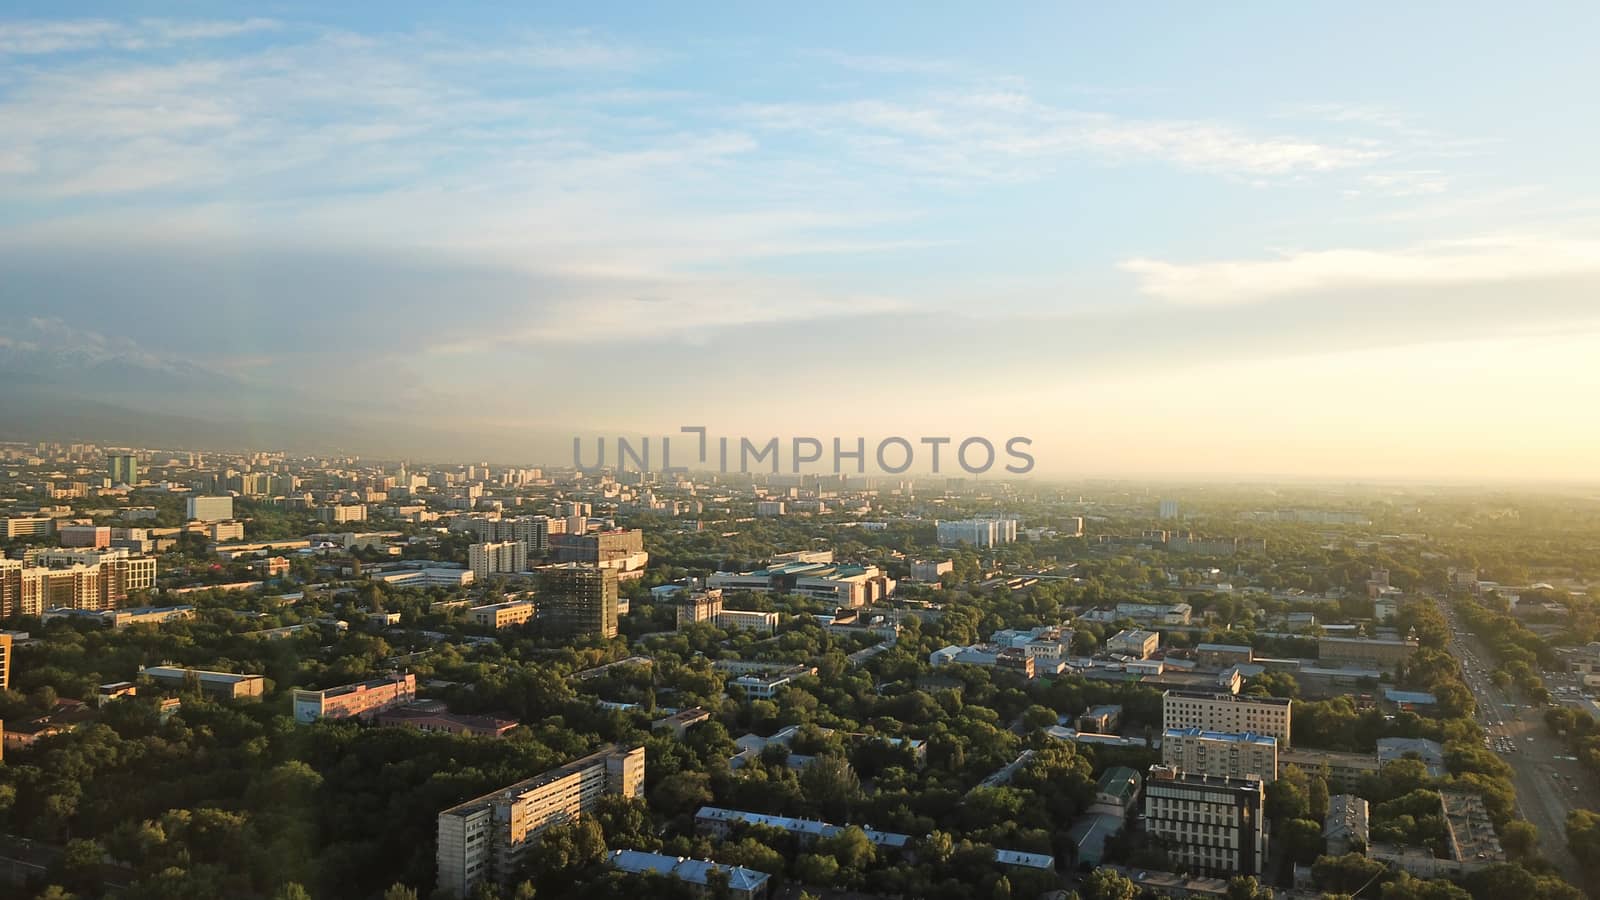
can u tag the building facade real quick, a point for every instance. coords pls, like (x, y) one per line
(209, 509)
(1220, 753)
(1212, 824)
(579, 600)
(483, 839)
(354, 701)
(1219, 711)
(497, 557)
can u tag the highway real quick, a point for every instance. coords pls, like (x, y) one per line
(1548, 784)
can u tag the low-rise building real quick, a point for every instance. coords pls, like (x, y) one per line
(501, 615)
(736, 882)
(223, 685)
(1346, 828)
(433, 716)
(362, 700)
(1135, 643)
(681, 721)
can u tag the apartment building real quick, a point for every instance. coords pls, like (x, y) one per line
(484, 838)
(1213, 824)
(699, 606)
(359, 701)
(88, 579)
(1220, 753)
(497, 557)
(1224, 712)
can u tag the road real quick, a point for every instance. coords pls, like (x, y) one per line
(1548, 784)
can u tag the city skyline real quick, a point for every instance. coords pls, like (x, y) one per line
(479, 238)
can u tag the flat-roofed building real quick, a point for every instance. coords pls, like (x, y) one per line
(85, 535)
(579, 600)
(30, 526)
(747, 620)
(208, 509)
(1133, 642)
(1346, 827)
(1211, 824)
(484, 839)
(699, 606)
(433, 716)
(1220, 753)
(1222, 656)
(224, 685)
(354, 701)
(501, 615)
(1343, 771)
(1385, 653)
(497, 557)
(1220, 711)
(841, 584)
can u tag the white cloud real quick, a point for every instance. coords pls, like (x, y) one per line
(38, 38)
(1010, 134)
(1441, 263)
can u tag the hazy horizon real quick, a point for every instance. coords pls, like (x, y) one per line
(1211, 244)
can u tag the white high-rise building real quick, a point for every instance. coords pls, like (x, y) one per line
(209, 509)
(497, 557)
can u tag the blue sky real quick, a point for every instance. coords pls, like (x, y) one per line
(1265, 238)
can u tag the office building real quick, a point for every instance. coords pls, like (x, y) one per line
(358, 701)
(1220, 753)
(123, 469)
(1220, 711)
(483, 839)
(501, 615)
(579, 600)
(699, 606)
(30, 526)
(1213, 825)
(122, 618)
(92, 536)
(497, 557)
(209, 509)
(222, 685)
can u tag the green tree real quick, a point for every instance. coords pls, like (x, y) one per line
(1105, 884)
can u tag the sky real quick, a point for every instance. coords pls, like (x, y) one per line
(1261, 239)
